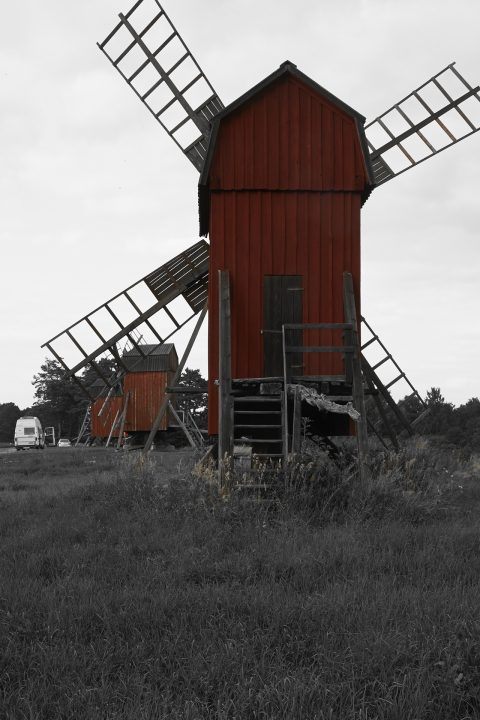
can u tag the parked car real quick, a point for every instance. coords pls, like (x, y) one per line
(64, 442)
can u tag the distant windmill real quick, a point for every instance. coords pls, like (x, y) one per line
(284, 171)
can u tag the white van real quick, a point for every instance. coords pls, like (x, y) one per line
(29, 434)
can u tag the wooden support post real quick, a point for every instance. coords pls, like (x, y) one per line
(284, 416)
(225, 404)
(183, 426)
(122, 421)
(357, 380)
(178, 372)
(113, 427)
(296, 423)
(84, 425)
(286, 380)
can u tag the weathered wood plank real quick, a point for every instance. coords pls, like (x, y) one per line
(225, 402)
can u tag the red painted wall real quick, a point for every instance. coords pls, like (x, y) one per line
(101, 425)
(147, 392)
(286, 184)
(288, 137)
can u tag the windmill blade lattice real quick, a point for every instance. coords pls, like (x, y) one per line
(133, 316)
(435, 116)
(153, 59)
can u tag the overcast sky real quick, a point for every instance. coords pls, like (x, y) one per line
(94, 195)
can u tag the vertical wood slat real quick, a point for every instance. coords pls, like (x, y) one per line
(225, 404)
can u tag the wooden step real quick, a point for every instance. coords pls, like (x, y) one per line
(260, 441)
(263, 427)
(268, 456)
(257, 398)
(257, 412)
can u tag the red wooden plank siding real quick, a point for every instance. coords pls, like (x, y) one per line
(289, 137)
(147, 391)
(286, 182)
(101, 426)
(321, 234)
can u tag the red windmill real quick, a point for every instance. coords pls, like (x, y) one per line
(284, 172)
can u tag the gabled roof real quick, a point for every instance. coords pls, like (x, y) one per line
(290, 69)
(164, 349)
(160, 358)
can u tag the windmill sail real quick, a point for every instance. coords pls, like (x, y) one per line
(435, 116)
(135, 317)
(153, 59)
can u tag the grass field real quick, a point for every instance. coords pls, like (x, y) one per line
(131, 589)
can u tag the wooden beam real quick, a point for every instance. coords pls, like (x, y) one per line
(182, 425)
(186, 390)
(225, 404)
(319, 349)
(113, 427)
(357, 380)
(296, 423)
(369, 372)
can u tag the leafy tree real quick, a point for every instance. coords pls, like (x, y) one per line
(439, 419)
(52, 387)
(464, 429)
(411, 406)
(459, 426)
(9, 414)
(59, 400)
(434, 397)
(196, 405)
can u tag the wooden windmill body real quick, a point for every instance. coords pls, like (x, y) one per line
(281, 192)
(284, 172)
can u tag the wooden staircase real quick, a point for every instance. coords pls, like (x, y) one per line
(257, 422)
(266, 426)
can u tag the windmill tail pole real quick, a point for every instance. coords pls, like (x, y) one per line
(164, 405)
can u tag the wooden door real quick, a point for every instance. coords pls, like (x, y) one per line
(282, 303)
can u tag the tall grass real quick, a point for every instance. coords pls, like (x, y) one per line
(155, 596)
